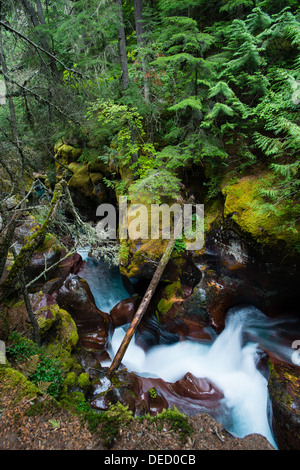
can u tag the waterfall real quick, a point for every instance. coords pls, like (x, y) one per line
(230, 362)
(233, 360)
(105, 282)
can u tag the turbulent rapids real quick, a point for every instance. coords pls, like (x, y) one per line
(235, 361)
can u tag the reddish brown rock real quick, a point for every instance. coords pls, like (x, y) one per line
(188, 395)
(124, 311)
(123, 389)
(197, 389)
(93, 325)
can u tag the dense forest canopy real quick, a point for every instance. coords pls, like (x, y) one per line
(164, 88)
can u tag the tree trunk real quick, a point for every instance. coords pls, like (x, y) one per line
(37, 19)
(11, 106)
(140, 37)
(142, 307)
(6, 237)
(32, 318)
(12, 110)
(122, 47)
(14, 280)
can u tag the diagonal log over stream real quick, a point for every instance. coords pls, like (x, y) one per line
(143, 306)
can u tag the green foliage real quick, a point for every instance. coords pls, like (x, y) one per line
(152, 392)
(48, 371)
(109, 422)
(156, 186)
(223, 95)
(176, 420)
(42, 370)
(179, 246)
(21, 348)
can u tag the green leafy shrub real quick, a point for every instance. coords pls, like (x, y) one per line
(42, 370)
(21, 348)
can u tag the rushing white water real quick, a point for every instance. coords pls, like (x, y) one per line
(229, 362)
(105, 283)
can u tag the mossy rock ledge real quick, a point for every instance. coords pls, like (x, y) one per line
(244, 205)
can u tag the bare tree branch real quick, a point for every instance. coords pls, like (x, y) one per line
(12, 30)
(38, 97)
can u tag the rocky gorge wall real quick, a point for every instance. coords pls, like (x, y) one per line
(240, 263)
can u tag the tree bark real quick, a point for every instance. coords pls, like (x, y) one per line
(140, 38)
(142, 307)
(11, 105)
(32, 318)
(37, 19)
(14, 280)
(39, 48)
(6, 237)
(122, 47)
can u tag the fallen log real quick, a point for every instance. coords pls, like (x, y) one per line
(142, 307)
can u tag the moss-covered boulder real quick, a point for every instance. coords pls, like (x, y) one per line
(13, 382)
(81, 181)
(87, 179)
(56, 324)
(65, 154)
(284, 386)
(245, 206)
(87, 188)
(139, 258)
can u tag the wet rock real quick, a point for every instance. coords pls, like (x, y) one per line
(188, 395)
(93, 325)
(284, 386)
(122, 387)
(123, 312)
(237, 270)
(197, 388)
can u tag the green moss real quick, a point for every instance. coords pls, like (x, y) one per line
(66, 333)
(66, 153)
(123, 253)
(84, 381)
(71, 380)
(139, 254)
(13, 381)
(173, 293)
(81, 181)
(212, 214)
(176, 420)
(50, 243)
(243, 204)
(44, 324)
(67, 361)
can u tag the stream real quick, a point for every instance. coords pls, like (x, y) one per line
(235, 361)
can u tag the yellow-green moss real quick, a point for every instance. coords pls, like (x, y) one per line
(212, 212)
(67, 334)
(81, 181)
(96, 178)
(173, 293)
(67, 153)
(13, 381)
(84, 381)
(243, 205)
(71, 380)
